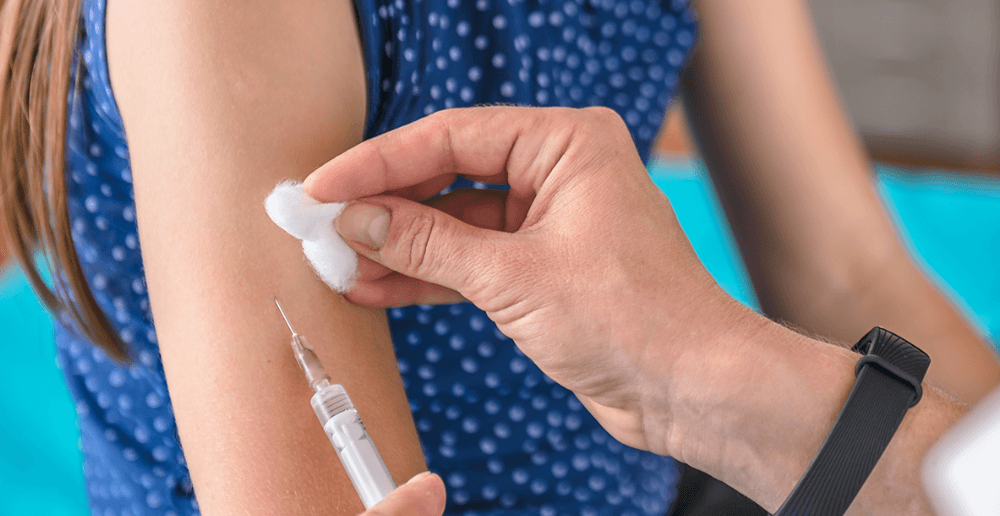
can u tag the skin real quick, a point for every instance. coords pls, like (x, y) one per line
(244, 98)
(822, 254)
(230, 114)
(423, 495)
(657, 352)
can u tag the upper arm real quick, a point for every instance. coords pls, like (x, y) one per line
(222, 100)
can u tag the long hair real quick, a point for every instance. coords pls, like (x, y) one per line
(38, 40)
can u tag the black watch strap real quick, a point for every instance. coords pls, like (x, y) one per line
(887, 385)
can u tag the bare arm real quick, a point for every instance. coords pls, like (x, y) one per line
(658, 353)
(222, 100)
(798, 191)
(761, 440)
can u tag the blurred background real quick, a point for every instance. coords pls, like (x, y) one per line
(920, 80)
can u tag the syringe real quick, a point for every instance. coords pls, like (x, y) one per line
(343, 426)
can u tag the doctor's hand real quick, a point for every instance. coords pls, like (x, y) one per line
(584, 266)
(423, 495)
(581, 263)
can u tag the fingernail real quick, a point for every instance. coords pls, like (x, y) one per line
(418, 477)
(364, 223)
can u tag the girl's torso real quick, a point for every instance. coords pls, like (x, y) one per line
(504, 437)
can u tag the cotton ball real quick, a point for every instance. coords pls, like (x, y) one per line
(298, 214)
(334, 261)
(312, 222)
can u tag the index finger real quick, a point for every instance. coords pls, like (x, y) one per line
(483, 143)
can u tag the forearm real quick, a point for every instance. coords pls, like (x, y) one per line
(798, 191)
(760, 440)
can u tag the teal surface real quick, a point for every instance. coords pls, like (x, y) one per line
(698, 211)
(40, 463)
(952, 225)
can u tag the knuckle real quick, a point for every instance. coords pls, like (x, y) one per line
(601, 119)
(602, 114)
(439, 126)
(416, 238)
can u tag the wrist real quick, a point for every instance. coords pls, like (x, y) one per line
(754, 409)
(755, 406)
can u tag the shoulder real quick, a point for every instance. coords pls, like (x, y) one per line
(220, 57)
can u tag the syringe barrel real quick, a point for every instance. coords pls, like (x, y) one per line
(354, 447)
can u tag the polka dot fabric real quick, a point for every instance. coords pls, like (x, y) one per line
(424, 56)
(505, 438)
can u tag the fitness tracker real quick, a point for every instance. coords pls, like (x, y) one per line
(887, 385)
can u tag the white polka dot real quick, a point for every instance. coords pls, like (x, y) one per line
(160, 424)
(536, 19)
(507, 89)
(160, 454)
(488, 445)
(430, 390)
(492, 380)
(559, 54)
(470, 425)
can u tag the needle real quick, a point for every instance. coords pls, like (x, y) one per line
(285, 317)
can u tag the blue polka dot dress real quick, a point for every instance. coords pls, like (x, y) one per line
(504, 437)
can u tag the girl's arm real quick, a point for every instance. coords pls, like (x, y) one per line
(798, 190)
(221, 100)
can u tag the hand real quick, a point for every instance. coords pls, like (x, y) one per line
(582, 263)
(423, 495)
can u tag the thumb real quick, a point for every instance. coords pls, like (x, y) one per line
(423, 495)
(421, 242)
